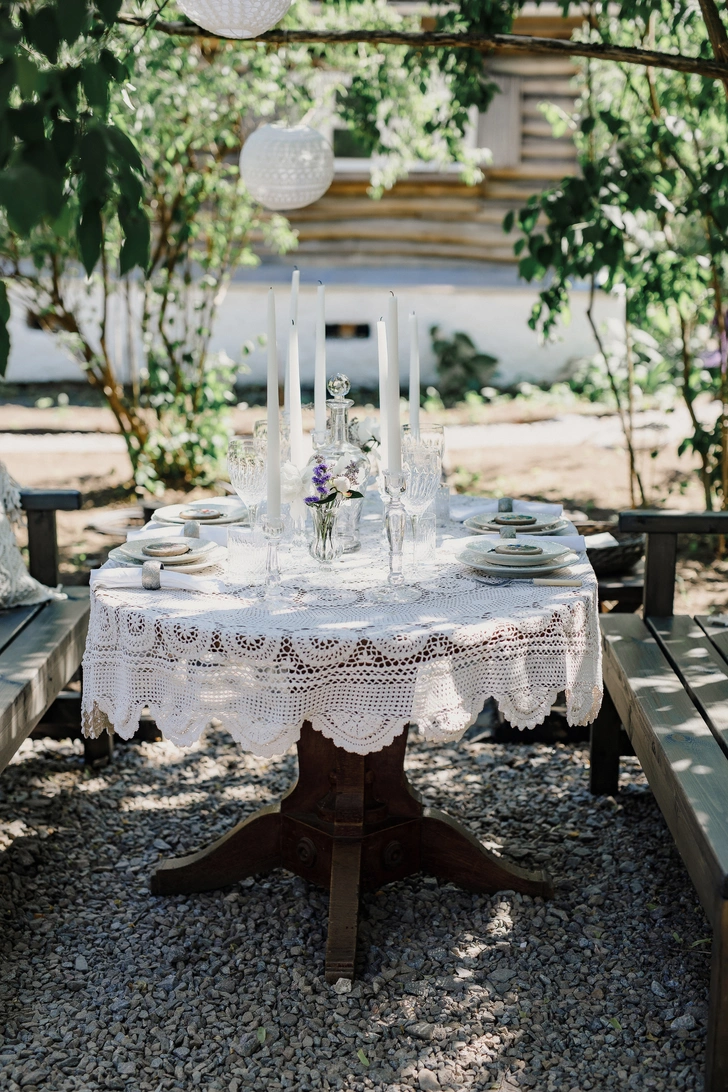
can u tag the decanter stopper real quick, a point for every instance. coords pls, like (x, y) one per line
(339, 386)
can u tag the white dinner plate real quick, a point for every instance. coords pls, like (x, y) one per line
(512, 573)
(198, 550)
(554, 527)
(488, 551)
(211, 560)
(231, 508)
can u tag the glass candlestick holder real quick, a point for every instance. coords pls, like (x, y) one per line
(273, 532)
(395, 590)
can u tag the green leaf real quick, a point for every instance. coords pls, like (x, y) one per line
(30, 78)
(124, 147)
(508, 221)
(112, 65)
(95, 80)
(7, 79)
(23, 194)
(108, 9)
(615, 1023)
(63, 139)
(362, 1057)
(4, 332)
(260, 1035)
(528, 267)
(93, 154)
(27, 122)
(72, 17)
(44, 33)
(135, 250)
(89, 234)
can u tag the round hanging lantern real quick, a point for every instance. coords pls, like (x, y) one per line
(235, 18)
(286, 168)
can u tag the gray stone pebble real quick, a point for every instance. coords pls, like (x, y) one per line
(103, 986)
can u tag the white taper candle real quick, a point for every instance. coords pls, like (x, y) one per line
(414, 377)
(382, 347)
(394, 437)
(273, 440)
(295, 283)
(294, 407)
(319, 381)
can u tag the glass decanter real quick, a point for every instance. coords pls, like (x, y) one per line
(338, 452)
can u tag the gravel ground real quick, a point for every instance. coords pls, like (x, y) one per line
(104, 987)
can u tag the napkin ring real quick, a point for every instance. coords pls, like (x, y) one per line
(191, 529)
(505, 504)
(152, 575)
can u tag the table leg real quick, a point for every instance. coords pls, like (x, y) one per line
(251, 847)
(343, 910)
(350, 781)
(450, 852)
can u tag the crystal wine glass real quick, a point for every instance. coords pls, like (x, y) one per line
(431, 435)
(421, 464)
(247, 470)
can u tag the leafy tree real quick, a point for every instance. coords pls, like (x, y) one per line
(178, 110)
(119, 150)
(647, 215)
(461, 368)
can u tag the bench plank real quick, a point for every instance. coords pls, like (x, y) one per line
(38, 664)
(718, 634)
(685, 766)
(700, 667)
(654, 521)
(15, 619)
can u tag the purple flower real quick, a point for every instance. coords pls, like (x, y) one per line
(311, 500)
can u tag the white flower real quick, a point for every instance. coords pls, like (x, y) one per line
(369, 430)
(365, 433)
(341, 484)
(293, 485)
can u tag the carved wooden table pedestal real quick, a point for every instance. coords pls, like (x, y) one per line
(350, 823)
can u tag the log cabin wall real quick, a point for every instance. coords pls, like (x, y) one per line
(435, 217)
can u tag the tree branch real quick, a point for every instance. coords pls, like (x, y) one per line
(716, 32)
(716, 29)
(493, 43)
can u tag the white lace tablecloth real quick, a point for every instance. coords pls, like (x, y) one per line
(358, 670)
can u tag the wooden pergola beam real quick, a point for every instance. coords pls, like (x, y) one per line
(493, 43)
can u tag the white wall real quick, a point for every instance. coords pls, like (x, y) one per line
(496, 318)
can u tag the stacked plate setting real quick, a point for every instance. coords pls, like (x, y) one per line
(215, 513)
(488, 523)
(517, 559)
(184, 555)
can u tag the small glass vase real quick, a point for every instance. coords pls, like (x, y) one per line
(335, 449)
(327, 544)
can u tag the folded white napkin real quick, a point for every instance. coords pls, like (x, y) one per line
(598, 542)
(126, 577)
(176, 530)
(463, 507)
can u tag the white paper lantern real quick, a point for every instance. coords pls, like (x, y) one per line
(286, 168)
(235, 18)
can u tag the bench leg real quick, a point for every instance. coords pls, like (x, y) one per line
(98, 752)
(604, 749)
(716, 1048)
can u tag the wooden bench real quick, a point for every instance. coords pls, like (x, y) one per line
(41, 645)
(666, 683)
